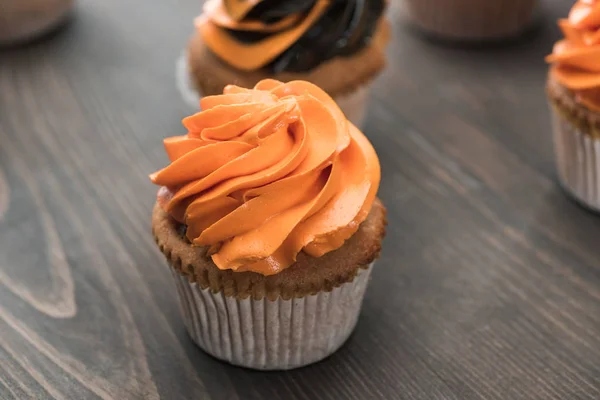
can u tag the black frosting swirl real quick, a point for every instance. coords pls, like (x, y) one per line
(346, 27)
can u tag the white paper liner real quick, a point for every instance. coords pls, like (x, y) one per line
(577, 156)
(271, 335)
(353, 105)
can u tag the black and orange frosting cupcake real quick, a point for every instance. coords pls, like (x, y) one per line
(336, 44)
(269, 220)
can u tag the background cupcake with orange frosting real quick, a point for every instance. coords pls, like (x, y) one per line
(268, 218)
(337, 45)
(573, 90)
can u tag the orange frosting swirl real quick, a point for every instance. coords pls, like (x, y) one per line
(576, 58)
(287, 35)
(265, 173)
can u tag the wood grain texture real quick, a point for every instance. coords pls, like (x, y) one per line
(489, 282)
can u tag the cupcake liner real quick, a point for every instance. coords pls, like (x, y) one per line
(271, 334)
(578, 158)
(185, 85)
(353, 104)
(471, 19)
(25, 19)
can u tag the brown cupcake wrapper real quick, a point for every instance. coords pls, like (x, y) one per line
(354, 105)
(271, 335)
(307, 276)
(471, 19)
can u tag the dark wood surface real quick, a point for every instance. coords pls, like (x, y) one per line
(489, 282)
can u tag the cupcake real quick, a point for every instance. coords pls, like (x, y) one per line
(336, 44)
(268, 218)
(573, 89)
(22, 20)
(471, 20)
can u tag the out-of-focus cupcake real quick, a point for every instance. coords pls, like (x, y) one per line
(573, 90)
(22, 20)
(471, 20)
(268, 218)
(336, 44)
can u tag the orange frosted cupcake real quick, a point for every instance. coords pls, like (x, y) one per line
(337, 45)
(268, 218)
(574, 93)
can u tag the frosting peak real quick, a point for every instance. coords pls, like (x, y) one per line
(576, 58)
(287, 35)
(265, 173)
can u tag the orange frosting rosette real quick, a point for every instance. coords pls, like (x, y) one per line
(265, 173)
(576, 58)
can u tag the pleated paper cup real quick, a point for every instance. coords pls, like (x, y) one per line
(577, 159)
(271, 334)
(576, 132)
(471, 20)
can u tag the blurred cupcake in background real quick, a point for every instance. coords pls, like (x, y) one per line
(22, 20)
(573, 90)
(471, 20)
(335, 44)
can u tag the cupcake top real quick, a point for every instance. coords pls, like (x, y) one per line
(576, 58)
(265, 173)
(287, 35)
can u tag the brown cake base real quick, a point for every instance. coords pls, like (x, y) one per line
(308, 275)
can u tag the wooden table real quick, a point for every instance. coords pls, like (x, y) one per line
(489, 282)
